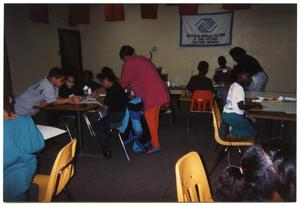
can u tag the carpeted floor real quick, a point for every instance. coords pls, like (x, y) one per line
(146, 178)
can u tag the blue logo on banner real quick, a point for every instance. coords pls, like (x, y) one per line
(206, 25)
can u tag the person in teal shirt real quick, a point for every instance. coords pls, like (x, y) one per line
(22, 140)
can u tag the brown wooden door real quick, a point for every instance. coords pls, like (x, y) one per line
(70, 49)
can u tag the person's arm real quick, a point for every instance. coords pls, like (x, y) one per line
(49, 97)
(211, 86)
(251, 105)
(74, 99)
(126, 76)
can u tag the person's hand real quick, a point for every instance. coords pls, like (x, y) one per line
(257, 105)
(75, 99)
(100, 90)
(43, 103)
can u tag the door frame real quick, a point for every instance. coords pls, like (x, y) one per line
(61, 45)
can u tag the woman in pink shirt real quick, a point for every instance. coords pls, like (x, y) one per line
(141, 76)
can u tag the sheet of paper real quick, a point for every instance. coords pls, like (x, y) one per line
(89, 100)
(49, 132)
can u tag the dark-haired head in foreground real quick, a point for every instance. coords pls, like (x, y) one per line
(263, 175)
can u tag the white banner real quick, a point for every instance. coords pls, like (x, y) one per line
(213, 29)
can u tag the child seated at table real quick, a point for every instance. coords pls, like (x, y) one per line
(235, 106)
(200, 81)
(115, 101)
(87, 80)
(21, 140)
(70, 87)
(222, 73)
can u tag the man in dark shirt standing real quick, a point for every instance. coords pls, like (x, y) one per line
(200, 81)
(116, 101)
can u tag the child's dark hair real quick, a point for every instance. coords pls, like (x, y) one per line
(221, 58)
(230, 185)
(8, 104)
(259, 176)
(87, 73)
(203, 67)
(237, 72)
(56, 72)
(126, 51)
(107, 73)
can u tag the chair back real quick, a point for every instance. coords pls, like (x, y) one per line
(62, 170)
(191, 181)
(217, 121)
(202, 100)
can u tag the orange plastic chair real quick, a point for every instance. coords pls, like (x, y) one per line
(191, 181)
(229, 141)
(62, 171)
(202, 101)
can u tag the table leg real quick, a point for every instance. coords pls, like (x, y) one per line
(79, 131)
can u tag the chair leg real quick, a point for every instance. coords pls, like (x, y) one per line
(89, 125)
(240, 151)
(188, 123)
(173, 113)
(68, 130)
(68, 194)
(219, 159)
(124, 148)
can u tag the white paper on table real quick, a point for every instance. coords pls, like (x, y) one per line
(49, 132)
(89, 100)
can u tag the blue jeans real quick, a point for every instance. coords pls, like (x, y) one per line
(241, 126)
(259, 82)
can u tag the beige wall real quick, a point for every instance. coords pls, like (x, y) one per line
(32, 47)
(267, 32)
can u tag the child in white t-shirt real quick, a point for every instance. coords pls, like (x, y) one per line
(235, 106)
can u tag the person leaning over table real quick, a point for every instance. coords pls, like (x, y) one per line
(42, 94)
(115, 101)
(235, 106)
(21, 140)
(87, 79)
(259, 77)
(70, 87)
(142, 77)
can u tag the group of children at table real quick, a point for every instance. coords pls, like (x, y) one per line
(139, 75)
(246, 75)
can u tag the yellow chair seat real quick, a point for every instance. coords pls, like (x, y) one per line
(230, 139)
(42, 181)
